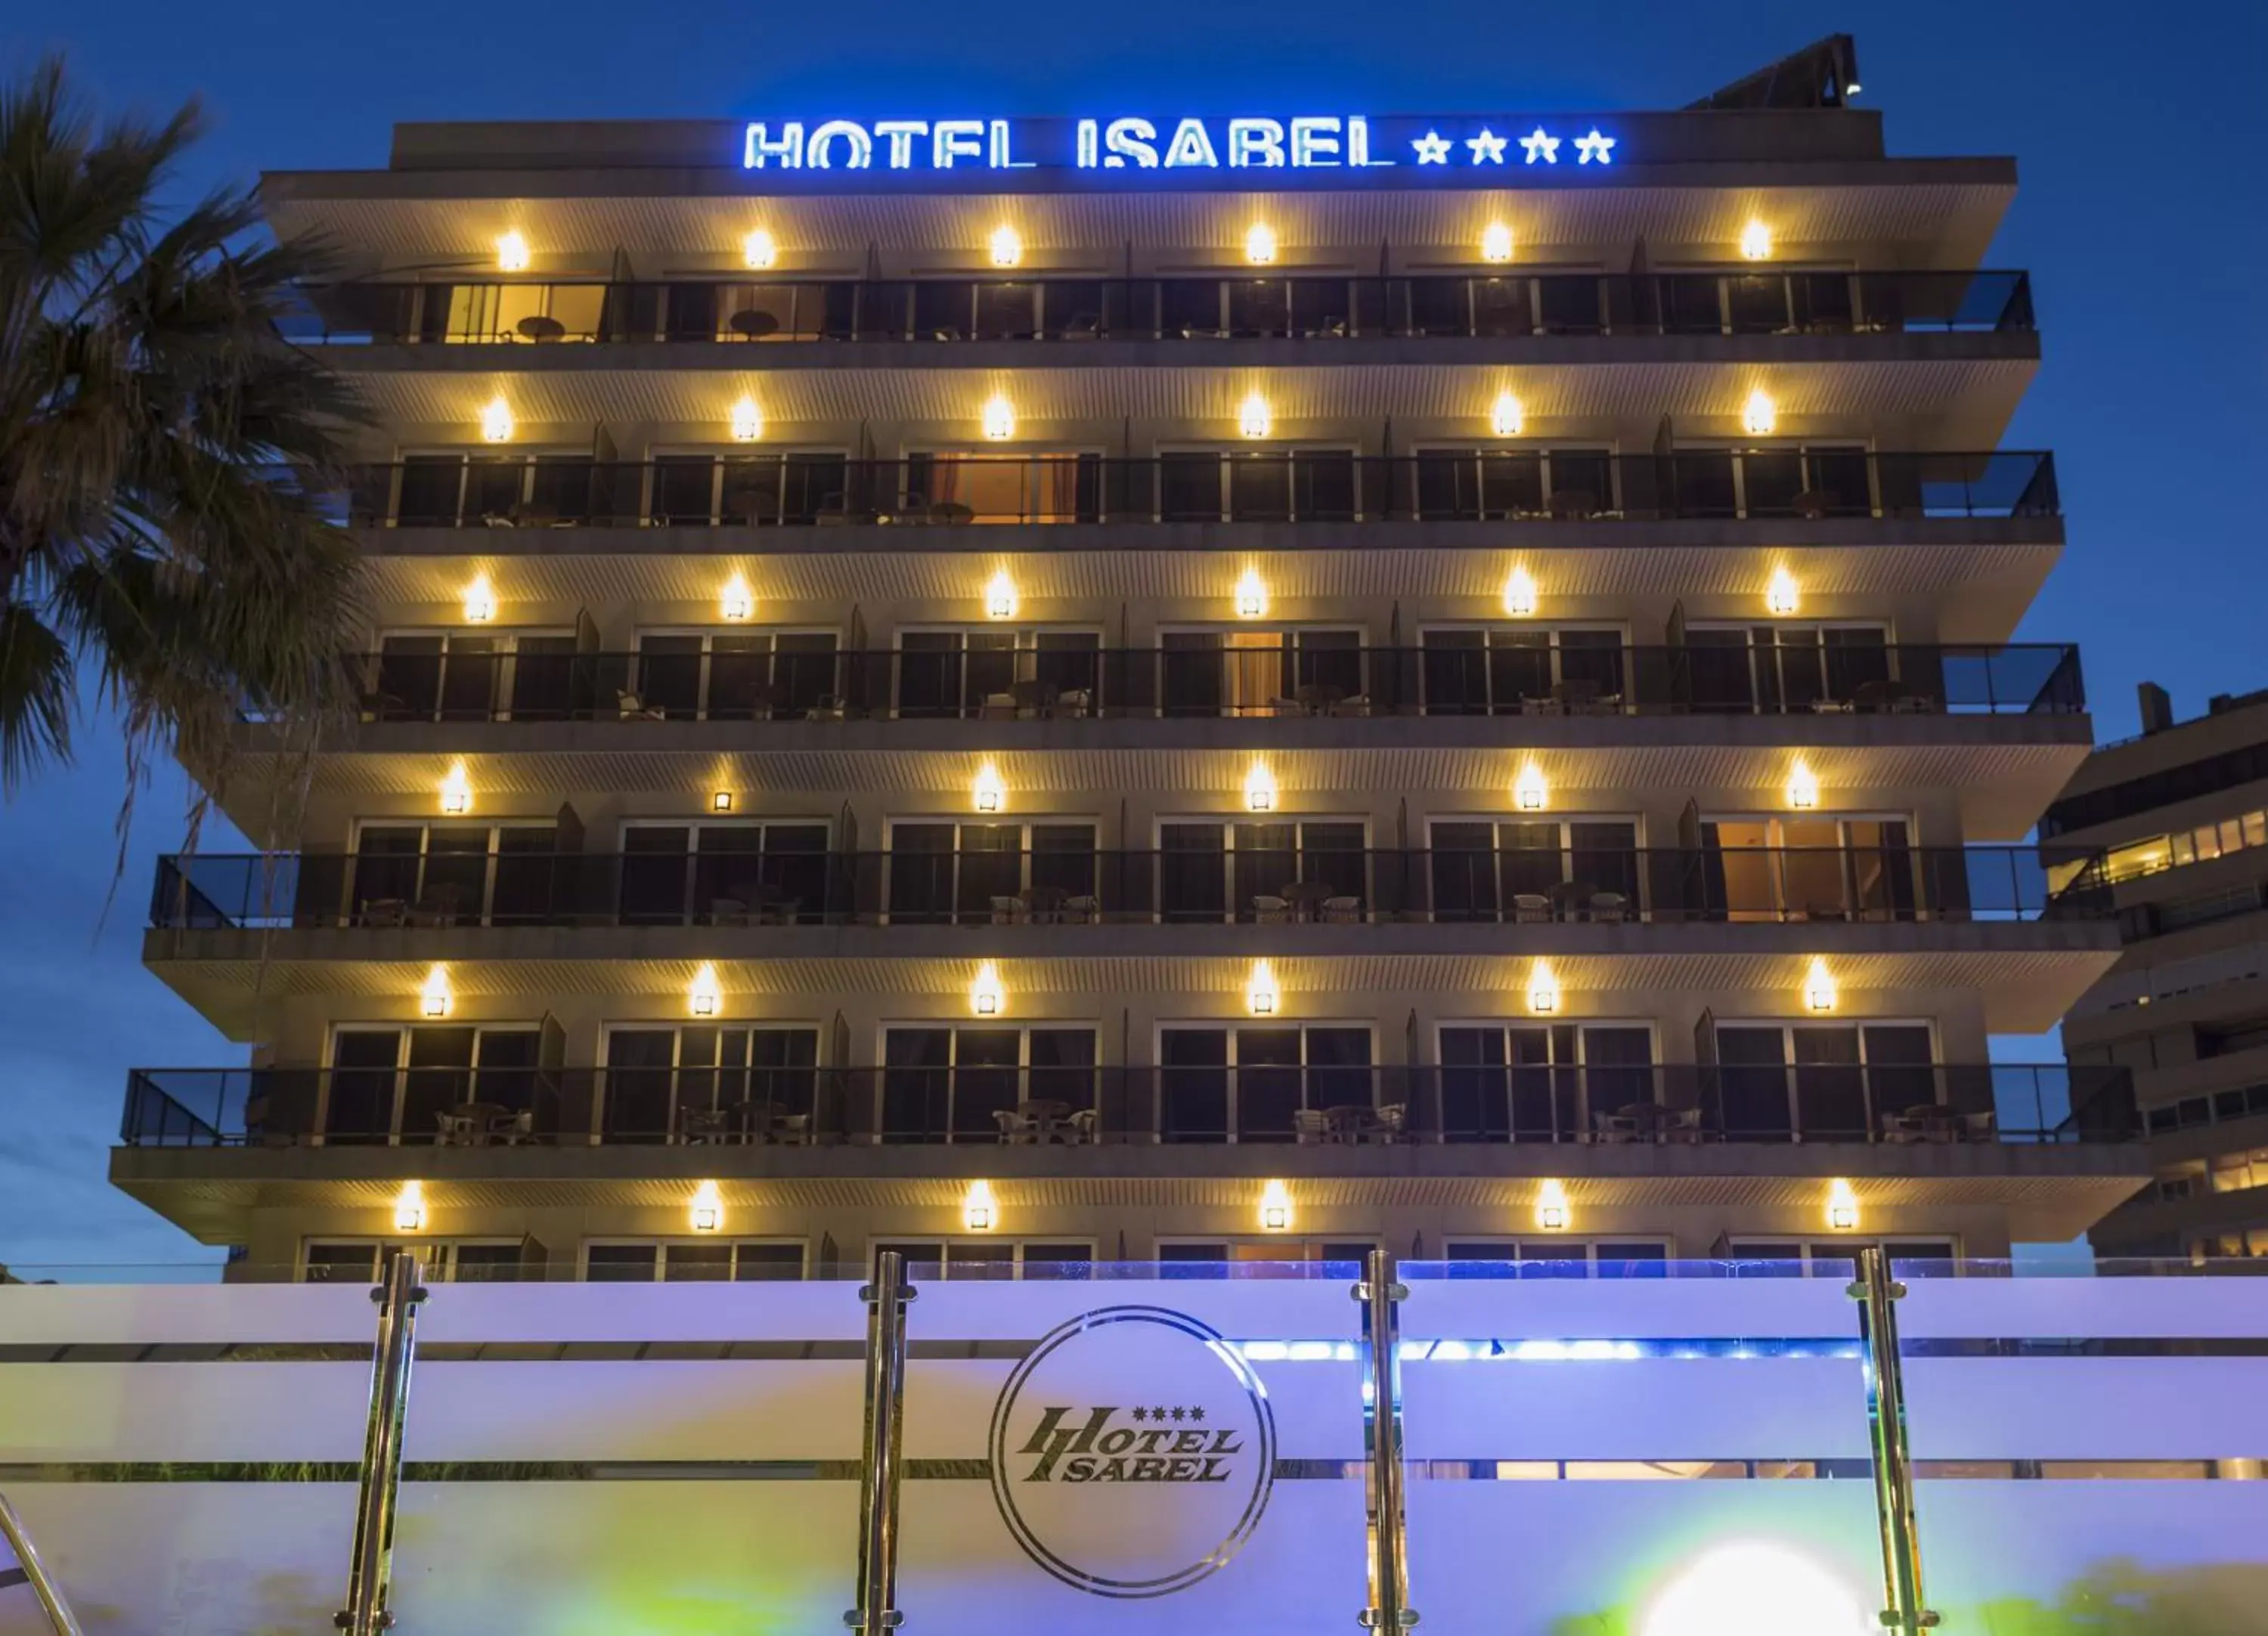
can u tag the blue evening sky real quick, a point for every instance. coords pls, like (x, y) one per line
(2137, 130)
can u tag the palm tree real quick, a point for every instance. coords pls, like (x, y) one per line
(164, 452)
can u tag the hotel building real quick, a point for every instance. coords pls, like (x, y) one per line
(1048, 691)
(2179, 815)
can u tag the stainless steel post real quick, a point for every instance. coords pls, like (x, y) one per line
(1389, 1609)
(885, 1299)
(35, 1572)
(371, 1571)
(1878, 1293)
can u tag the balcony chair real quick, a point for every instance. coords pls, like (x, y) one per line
(385, 911)
(1017, 1129)
(1358, 706)
(1574, 504)
(1609, 908)
(1310, 1126)
(1009, 911)
(1531, 909)
(1081, 911)
(727, 911)
(456, 1127)
(829, 708)
(1034, 697)
(777, 911)
(1343, 911)
(436, 909)
(633, 707)
(1076, 704)
(1281, 706)
(1393, 1124)
(1270, 910)
(702, 1127)
(510, 1129)
(998, 707)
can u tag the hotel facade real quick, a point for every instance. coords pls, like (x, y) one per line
(1042, 692)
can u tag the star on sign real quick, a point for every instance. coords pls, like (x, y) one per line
(1488, 147)
(1432, 149)
(1595, 147)
(1541, 146)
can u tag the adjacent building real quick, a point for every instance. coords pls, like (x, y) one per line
(2179, 816)
(1207, 689)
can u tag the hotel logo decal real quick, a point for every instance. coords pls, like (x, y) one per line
(1132, 1452)
(1313, 141)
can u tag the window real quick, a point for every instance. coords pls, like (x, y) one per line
(693, 1261)
(1837, 1258)
(439, 874)
(1032, 1260)
(731, 676)
(1821, 868)
(1832, 1082)
(523, 676)
(491, 313)
(1481, 671)
(998, 675)
(972, 1084)
(1263, 871)
(1542, 1083)
(1051, 487)
(1283, 1255)
(772, 870)
(1556, 1259)
(442, 1261)
(1236, 485)
(1482, 485)
(2208, 776)
(2201, 844)
(1254, 1084)
(1787, 670)
(2233, 1173)
(2240, 1245)
(423, 1085)
(1535, 870)
(1780, 480)
(701, 491)
(1282, 671)
(705, 1083)
(457, 489)
(992, 873)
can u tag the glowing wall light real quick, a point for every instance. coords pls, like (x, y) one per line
(748, 420)
(512, 252)
(1006, 245)
(1519, 593)
(1782, 596)
(1528, 791)
(759, 249)
(1000, 596)
(1260, 789)
(721, 801)
(1275, 1208)
(496, 421)
(1755, 1588)
(1261, 994)
(1841, 1207)
(736, 601)
(1496, 242)
(1818, 987)
(1802, 786)
(978, 1209)
(707, 1214)
(1756, 241)
(705, 996)
(479, 600)
(434, 1000)
(409, 1209)
(1551, 1213)
(1759, 414)
(1000, 418)
(456, 792)
(990, 794)
(1542, 990)
(1253, 417)
(1251, 594)
(1260, 244)
(987, 997)
(1507, 415)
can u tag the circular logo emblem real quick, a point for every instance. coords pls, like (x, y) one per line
(1132, 1452)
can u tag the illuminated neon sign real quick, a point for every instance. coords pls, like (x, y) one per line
(1308, 142)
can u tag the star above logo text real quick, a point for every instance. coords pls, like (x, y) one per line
(1595, 147)
(1540, 146)
(1488, 147)
(1433, 148)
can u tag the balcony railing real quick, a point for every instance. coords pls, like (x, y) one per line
(1921, 1103)
(806, 678)
(1276, 876)
(1584, 484)
(1274, 307)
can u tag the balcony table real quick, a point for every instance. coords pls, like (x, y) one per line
(1306, 898)
(541, 327)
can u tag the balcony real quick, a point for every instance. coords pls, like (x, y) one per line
(1277, 876)
(1356, 1106)
(803, 678)
(1574, 485)
(1059, 311)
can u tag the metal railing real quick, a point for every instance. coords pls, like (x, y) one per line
(1277, 874)
(806, 679)
(1585, 484)
(1248, 306)
(1357, 1104)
